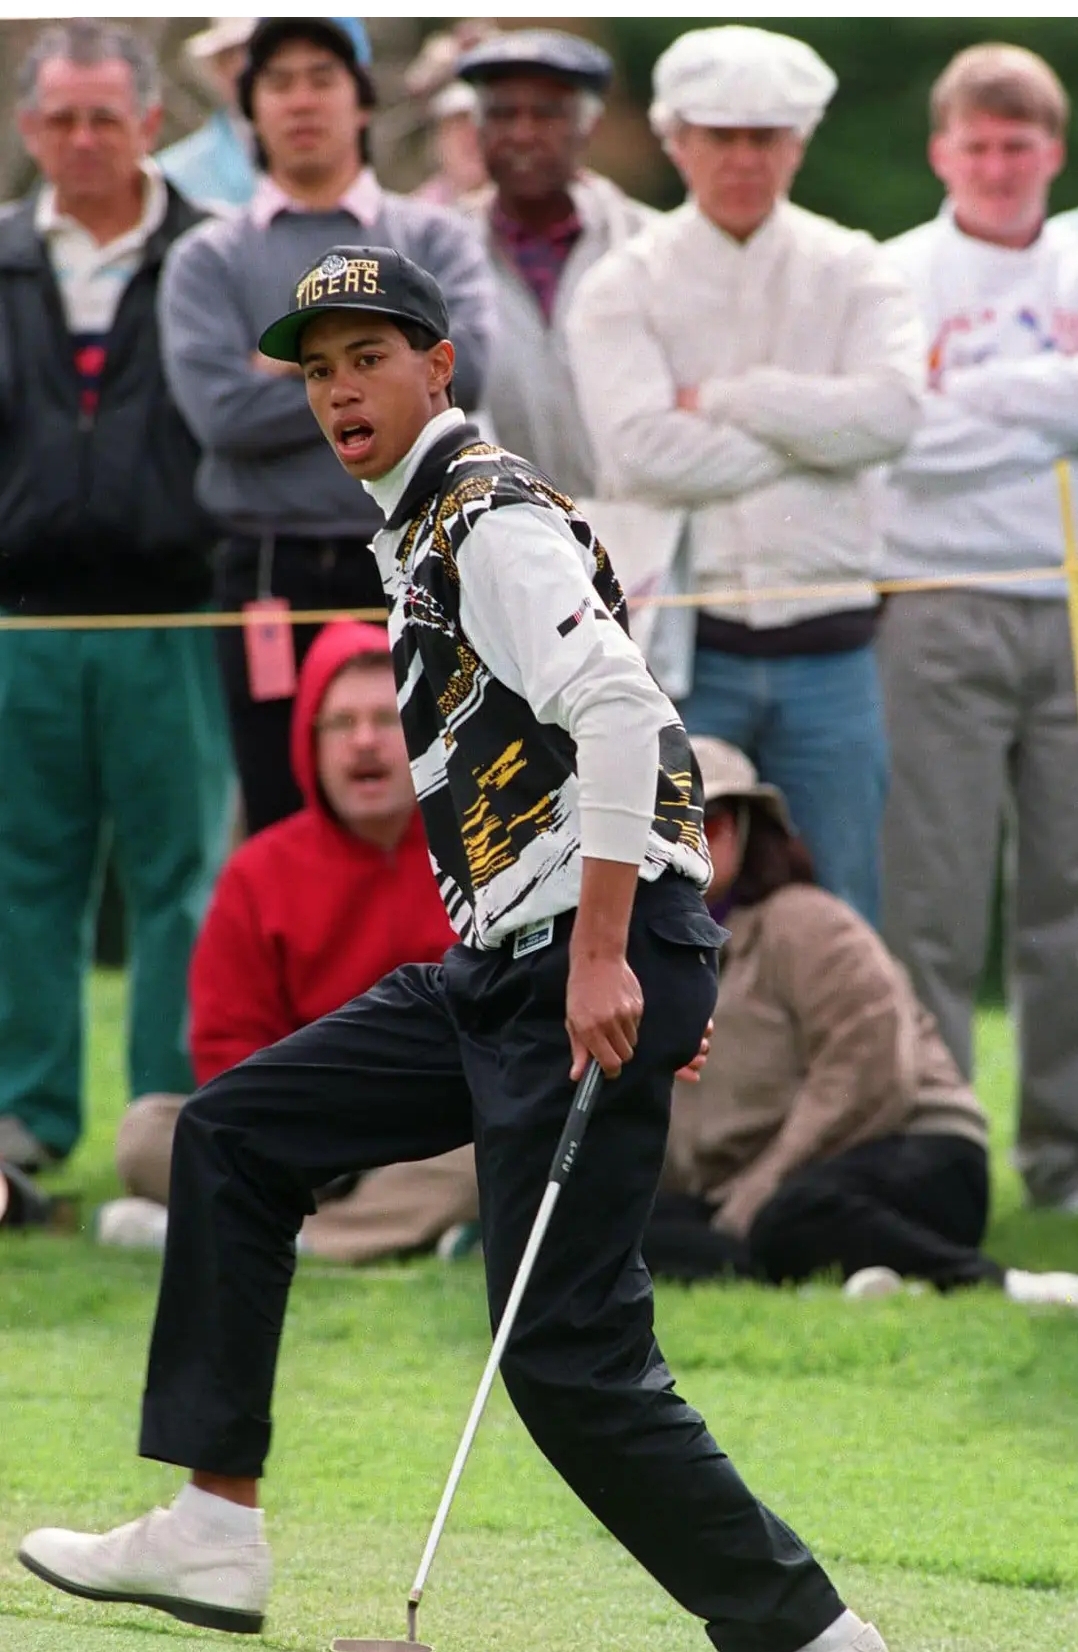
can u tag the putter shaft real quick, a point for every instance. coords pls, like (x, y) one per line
(564, 1157)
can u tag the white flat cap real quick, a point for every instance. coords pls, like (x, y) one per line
(739, 76)
(221, 36)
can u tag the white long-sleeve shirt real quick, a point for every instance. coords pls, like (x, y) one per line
(976, 488)
(809, 358)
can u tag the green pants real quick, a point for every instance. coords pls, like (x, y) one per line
(104, 736)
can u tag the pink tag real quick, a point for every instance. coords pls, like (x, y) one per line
(271, 650)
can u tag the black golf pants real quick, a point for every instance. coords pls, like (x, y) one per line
(430, 1058)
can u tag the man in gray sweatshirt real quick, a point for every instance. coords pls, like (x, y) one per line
(294, 527)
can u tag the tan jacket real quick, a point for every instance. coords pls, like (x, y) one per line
(819, 1045)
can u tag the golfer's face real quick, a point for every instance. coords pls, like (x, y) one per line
(369, 390)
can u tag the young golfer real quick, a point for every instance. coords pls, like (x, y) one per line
(564, 814)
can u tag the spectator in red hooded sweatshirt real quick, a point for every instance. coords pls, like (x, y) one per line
(308, 914)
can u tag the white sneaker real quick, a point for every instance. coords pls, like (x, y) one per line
(1056, 1289)
(136, 1224)
(156, 1562)
(868, 1282)
(865, 1637)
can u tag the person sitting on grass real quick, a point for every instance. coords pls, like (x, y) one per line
(308, 914)
(836, 1132)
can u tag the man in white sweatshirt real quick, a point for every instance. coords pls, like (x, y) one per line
(978, 681)
(746, 363)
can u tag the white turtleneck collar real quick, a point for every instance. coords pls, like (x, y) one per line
(387, 491)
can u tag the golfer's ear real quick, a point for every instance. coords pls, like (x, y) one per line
(440, 363)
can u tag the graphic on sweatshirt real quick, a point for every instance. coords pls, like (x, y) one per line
(498, 789)
(969, 338)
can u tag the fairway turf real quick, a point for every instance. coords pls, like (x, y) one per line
(924, 1446)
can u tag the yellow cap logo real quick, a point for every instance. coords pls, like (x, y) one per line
(339, 277)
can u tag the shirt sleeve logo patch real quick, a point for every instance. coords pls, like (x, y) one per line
(574, 620)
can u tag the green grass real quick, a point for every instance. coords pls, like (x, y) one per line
(925, 1446)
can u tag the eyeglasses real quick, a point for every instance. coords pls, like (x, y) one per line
(63, 122)
(341, 724)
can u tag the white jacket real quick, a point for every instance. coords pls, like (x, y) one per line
(976, 489)
(529, 402)
(809, 358)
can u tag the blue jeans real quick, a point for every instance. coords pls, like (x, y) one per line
(813, 725)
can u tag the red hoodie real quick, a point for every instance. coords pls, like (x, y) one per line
(305, 916)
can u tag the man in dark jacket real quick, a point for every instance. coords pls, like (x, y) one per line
(99, 729)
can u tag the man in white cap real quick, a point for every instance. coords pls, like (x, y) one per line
(744, 364)
(215, 164)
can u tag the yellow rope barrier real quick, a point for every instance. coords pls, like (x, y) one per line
(1070, 556)
(197, 620)
(725, 598)
(846, 588)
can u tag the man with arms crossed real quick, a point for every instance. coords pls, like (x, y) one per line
(564, 817)
(979, 682)
(743, 366)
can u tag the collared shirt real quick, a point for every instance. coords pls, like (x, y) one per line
(92, 277)
(538, 256)
(362, 199)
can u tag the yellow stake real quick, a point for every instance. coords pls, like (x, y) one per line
(1070, 555)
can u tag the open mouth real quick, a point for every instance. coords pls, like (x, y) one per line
(354, 441)
(367, 775)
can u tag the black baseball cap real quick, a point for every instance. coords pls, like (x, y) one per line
(345, 37)
(375, 279)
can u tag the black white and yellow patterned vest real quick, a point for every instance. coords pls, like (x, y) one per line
(497, 788)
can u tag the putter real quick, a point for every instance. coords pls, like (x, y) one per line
(564, 1158)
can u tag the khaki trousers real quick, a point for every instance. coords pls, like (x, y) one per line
(980, 706)
(403, 1207)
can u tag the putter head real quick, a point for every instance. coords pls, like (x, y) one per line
(379, 1646)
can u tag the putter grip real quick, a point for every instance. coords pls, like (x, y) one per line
(577, 1122)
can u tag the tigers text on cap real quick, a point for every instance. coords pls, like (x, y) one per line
(538, 51)
(740, 76)
(375, 279)
(727, 772)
